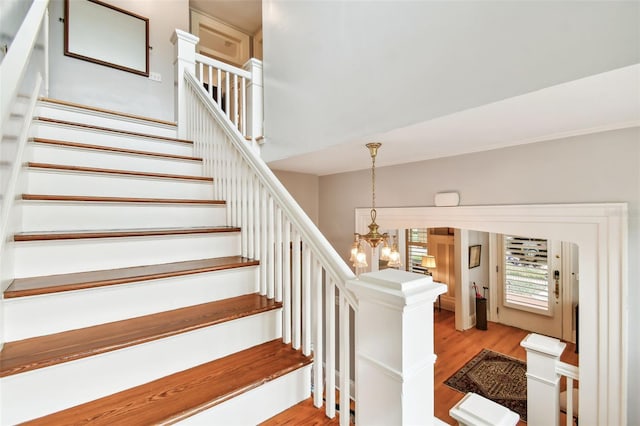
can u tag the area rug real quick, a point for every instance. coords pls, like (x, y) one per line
(495, 376)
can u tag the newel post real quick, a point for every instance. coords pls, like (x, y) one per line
(394, 347)
(543, 383)
(255, 99)
(185, 60)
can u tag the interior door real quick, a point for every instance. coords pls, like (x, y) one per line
(529, 278)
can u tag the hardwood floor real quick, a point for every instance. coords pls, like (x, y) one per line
(453, 348)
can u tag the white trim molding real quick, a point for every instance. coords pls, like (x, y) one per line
(601, 233)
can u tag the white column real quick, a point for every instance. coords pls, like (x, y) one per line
(254, 88)
(185, 60)
(543, 384)
(394, 349)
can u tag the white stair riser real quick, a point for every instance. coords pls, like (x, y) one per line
(45, 181)
(42, 216)
(258, 404)
(84, 308)
(40, 392)
(55, 154)
(101, 119)
(37, 258)
(97, 137)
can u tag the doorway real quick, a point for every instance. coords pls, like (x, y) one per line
(600, 231)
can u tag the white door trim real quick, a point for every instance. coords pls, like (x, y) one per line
(601, 233)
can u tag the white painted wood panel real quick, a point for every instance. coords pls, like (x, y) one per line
(83, 308)
(103, 119)
(36, 258)
(57, 154)
(60, 182)
(41, 216)
(75, 134)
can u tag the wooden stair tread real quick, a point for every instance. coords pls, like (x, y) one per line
(113, 149)
(43, 351)
(82, 280)
(107, 111)
(143, 232)
(90, 198)
(180, 395)
(65, 167)
(108, 129)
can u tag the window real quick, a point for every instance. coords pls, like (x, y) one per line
(526, 274)
(416, 248)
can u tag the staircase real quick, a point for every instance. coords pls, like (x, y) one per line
(131, 302)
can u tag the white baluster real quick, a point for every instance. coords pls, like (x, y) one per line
(345, 370)
(250, 220)
(244, 210)
(243, 108)
(271, 249)
(306, 300)
(235, 100)
(227, 97)
(201, 72)
(295, 290)
(264, 240)
(257, 245)
(286, 278)
(210, 85)
(219, 89)
(317, 336)
(278, 255)
(330, 363)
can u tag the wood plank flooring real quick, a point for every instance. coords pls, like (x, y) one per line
(454, 348)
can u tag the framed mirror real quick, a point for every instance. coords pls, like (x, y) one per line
(104, 34)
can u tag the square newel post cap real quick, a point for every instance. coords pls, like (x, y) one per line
(184, 36)
(398, 287)
(543, 344)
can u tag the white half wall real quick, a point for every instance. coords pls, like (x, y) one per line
(96, 85)
(339, 71)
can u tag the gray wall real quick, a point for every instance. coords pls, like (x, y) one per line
(304, 188)
(602, 167)
(339, 71)
(96, 85)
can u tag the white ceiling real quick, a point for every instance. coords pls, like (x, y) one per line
(602, 102)
(245, 15)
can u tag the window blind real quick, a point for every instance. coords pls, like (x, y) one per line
(416, 248)
(526, 273)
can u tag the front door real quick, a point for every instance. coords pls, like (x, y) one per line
(529, 294)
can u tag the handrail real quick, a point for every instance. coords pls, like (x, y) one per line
(222, 66)
(330, 258)
(16, 59)
(567, 370)
(298, 266)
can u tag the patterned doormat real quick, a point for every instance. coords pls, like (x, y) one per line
(495, 376)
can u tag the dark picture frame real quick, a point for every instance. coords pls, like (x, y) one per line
(107, 35)
(474, 256)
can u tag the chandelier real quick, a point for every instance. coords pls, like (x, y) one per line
(373, 237)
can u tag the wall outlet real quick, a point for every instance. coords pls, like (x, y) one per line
(155, 76)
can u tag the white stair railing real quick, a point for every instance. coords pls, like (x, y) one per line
(570, 373)
(227, 85)
(298, 265)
